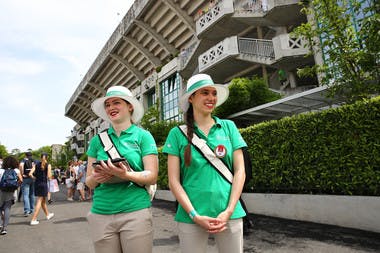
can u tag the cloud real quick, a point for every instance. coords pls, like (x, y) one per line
(15, 66)
(46, 47)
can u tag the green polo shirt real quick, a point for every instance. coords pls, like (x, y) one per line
(209, 193)
(133, 143)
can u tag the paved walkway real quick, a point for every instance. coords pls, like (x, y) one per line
(68, 232)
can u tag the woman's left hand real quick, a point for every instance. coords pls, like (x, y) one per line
(224, 216)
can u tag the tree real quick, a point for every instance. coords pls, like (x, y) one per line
(245, 93)
(159, 129)
(350, 45)
(3, 151)
(44, 149)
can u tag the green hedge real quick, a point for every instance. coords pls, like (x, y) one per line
(336, 151)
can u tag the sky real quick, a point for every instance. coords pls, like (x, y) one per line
(46, 48)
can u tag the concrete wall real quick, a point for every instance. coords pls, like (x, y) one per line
(359, 212)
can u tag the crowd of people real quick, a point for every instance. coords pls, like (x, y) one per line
(207, 180)
(37, 183)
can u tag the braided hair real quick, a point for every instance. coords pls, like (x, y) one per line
(189, 119)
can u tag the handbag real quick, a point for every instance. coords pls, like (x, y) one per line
(113, 153)
(53, 185)
(209, 155)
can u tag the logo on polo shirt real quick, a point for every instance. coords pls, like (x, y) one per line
(220, 151)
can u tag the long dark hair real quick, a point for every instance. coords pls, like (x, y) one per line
(10, 162)
(189, 119)
(44, 161)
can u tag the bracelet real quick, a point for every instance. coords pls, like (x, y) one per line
(192, 214)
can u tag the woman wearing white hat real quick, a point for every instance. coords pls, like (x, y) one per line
(120, 218)
(208, 203)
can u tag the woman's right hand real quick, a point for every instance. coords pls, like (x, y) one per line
(211, 225)
(99, 175)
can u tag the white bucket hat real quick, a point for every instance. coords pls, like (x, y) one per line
(120, 92)
(200, 81)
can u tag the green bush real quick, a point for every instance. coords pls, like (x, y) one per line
(336, 151)
(162, 180)
(245, 93)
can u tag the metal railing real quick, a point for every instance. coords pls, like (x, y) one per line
(256, 47)
(186, 54)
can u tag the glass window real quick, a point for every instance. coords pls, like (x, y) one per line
(170, 93)
(151, 97)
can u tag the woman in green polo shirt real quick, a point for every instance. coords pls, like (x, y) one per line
(208, 203)
(120, 218)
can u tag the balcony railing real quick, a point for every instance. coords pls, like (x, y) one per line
(251, 5)
(186, 54)
(149, 82)
(285, 45)
(221, 8)
(225, 48)
(232, 46)
(256, 47)
(80, 151)
(80, 137)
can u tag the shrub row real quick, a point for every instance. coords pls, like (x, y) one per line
(336, 151)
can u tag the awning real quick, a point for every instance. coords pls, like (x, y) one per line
(306, 101)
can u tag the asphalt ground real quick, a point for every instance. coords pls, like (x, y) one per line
(68, 232)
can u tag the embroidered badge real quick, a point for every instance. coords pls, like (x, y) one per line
(220, 151)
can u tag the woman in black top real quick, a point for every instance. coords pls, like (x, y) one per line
(41, 173)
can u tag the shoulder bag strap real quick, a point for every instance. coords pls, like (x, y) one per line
(207, 153)
(108, 145)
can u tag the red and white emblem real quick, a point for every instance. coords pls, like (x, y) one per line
(220, 151)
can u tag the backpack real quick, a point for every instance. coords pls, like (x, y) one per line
(9, 181)
(28, 164)
(247, 165)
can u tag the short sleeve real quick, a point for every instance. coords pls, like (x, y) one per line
(237, 140)
(148, 144)
(171, 146)
(92, 148)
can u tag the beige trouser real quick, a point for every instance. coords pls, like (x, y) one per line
(193, 238)
(123, 232)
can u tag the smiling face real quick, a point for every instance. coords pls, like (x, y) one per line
(204, 100)
(118, 109)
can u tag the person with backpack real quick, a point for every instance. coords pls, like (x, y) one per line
(41, 172)
(27, 186)
(10, 180)
(206, 171)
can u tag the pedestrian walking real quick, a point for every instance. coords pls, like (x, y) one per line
(81, 180)
(120, 219)
(41, 172)
(8, 196)
(70, 181)
(208, 202)
(27, 187)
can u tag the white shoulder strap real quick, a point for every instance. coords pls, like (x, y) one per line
(202, 146)
(109, 148)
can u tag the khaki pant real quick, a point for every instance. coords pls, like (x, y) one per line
(123, 232)
(193, 238)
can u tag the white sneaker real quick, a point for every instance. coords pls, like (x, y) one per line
(34, 222)
(50, 215)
